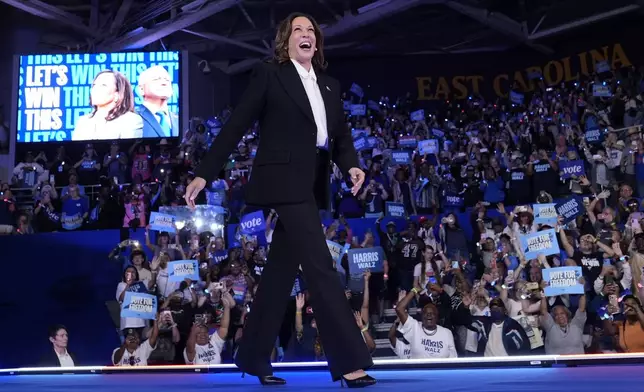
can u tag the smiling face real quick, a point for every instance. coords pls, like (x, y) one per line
(303, 40)
(430, 317)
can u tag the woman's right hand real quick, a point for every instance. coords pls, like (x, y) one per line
(193, 189)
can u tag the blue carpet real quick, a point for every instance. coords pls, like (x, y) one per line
(580, 379)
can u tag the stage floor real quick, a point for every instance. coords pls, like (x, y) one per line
(555, 379)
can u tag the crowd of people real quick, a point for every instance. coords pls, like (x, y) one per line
(478, 295)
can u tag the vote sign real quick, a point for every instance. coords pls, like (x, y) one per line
(252, 223)
(572, 169)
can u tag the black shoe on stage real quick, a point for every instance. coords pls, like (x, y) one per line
(269, 380)
(360, 382)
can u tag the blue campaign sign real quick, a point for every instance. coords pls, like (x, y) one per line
(361, 143)
(570, 169)
(180, 270)
(218, 256)
(54, 96)
(602, 66)
(357, 90)
(335, 249)
(562, 280)
(516, 98)
(401, 157)
(362, 259)
(545, 214)
(540, 243)
(429, 146)
(594, 135)
(139, 305)
(358, 110)
(570, 208)
(299, 285)
(252, 223)
(162, 222)
(346, 105)
(373, 105)
(372, 141)
(407, 142)
(418, 115)
(395, 209)
(601, 91)
(454, 200)
(438, 132)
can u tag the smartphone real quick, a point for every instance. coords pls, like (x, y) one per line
(51, 179)
(198, 318)
(116, 180)
(432, 280)
(218, 285)
(532, 286)
(608, 262)
(455, 265)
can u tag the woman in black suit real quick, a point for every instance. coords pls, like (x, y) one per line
(302, 129)
(57, 355)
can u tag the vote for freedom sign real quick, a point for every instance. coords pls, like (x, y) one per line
(183, 269)
(562, 280)
(139, 305)
(540, 243)
(162, 222)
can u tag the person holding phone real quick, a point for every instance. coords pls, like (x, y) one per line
(303, 129)
(429, 270)
(426, 338)
(629, 332)
(202, 349)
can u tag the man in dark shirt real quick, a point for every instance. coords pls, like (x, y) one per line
(409, 253)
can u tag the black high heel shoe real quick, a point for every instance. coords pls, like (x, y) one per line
(269, 380)
(360, 382)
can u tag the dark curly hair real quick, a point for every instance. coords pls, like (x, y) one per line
(284, 33)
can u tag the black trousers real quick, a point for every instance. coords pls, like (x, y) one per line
(298, 240)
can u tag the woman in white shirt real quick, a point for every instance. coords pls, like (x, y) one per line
(426, 338)
(202, 349)
(112, 115)
(131, 282)
(430, 269)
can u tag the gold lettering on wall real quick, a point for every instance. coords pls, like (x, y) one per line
(568, 76)
(497, 85)
(460, 91)
(424, 88)
(566, 69)
(553, 73)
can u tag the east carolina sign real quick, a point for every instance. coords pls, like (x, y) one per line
(554, 72)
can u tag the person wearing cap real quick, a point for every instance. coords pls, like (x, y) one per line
(134, 353)
(112, 115)
(155, 85)
(497, 335)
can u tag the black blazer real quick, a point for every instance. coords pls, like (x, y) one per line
(284, 168)
(50, 359)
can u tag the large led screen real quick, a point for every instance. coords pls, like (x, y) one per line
(98, 96)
